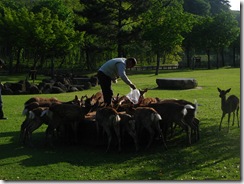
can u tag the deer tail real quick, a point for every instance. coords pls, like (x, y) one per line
(156, 117)
(31, 115)
(115, 118)
(48, 113)
(188, 106)
(25, 111)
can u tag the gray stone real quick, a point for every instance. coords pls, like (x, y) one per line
(176, 83)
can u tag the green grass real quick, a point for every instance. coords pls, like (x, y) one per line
(215, 157)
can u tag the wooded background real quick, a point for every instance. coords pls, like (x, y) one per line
(83, 34)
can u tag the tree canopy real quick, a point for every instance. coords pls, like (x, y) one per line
(82, 33)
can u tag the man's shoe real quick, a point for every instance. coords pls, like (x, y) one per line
(3, 118)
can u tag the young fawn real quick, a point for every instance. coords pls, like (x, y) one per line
(228, 106)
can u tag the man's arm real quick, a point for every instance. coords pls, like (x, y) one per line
(121, 71)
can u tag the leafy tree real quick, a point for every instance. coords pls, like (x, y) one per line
(45, 30)
(164, 29)
(216, 33)
(224, 31)
(217, 6)
(54, 37)
(197, 7)
(111, 24)
(42, 33)
(200, 34)
(14, 32)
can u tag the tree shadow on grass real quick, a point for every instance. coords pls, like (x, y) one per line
(199, 160)
(213, 148)
(81, 154)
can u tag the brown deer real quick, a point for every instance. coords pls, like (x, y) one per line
(228, 106)
(32, 122)
(109, 119)
(127, 125)
(146, 100)
(172, 113)
(44, 102)
(33, 109)
(147, 118)
(66, 116)
(190, 117)
(35, 102)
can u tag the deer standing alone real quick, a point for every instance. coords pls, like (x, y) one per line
(228, 106)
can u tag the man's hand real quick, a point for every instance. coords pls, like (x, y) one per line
(132, 86)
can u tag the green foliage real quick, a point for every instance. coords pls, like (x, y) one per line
(224, 30)
(197, 7)
(91, 32)
(216, 157)
(175, 20)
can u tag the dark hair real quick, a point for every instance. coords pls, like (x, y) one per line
(132, 60)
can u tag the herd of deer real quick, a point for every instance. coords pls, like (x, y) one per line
(151, 116)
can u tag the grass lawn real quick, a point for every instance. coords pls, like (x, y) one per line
(216, 156)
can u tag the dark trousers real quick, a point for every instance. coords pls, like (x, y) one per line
(105, 83)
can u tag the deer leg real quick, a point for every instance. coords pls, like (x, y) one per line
(49, 135)
(233, 118)
(187, 129)
(23, 131)
(28, 132)
(237, 117)
(75, 125)
(117, 132)
(109, 136)
(134, 136)
(161, 135)
(164, 126)
(151, 133)
(188, 134)
(228, 122)
(138, 131)
(196, 122)
(33, 126)
(98, 132)
(223, 115)
(29, 135)
(194, 129)
(172, 128)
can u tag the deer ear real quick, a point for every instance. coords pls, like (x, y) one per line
(228, 90)
(76, 97)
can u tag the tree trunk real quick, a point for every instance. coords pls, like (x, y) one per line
(52, 68)
(119, 41)
(87, 59)
(11, 59)
(234, 56)
(222, 57)
(158, 62)
(217, 60)
(18, 60)
(208, 53)
(42, 61)
(188, 57)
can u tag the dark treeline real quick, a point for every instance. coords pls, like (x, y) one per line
(48, 34)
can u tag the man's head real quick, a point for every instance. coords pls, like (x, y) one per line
(130, 62)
